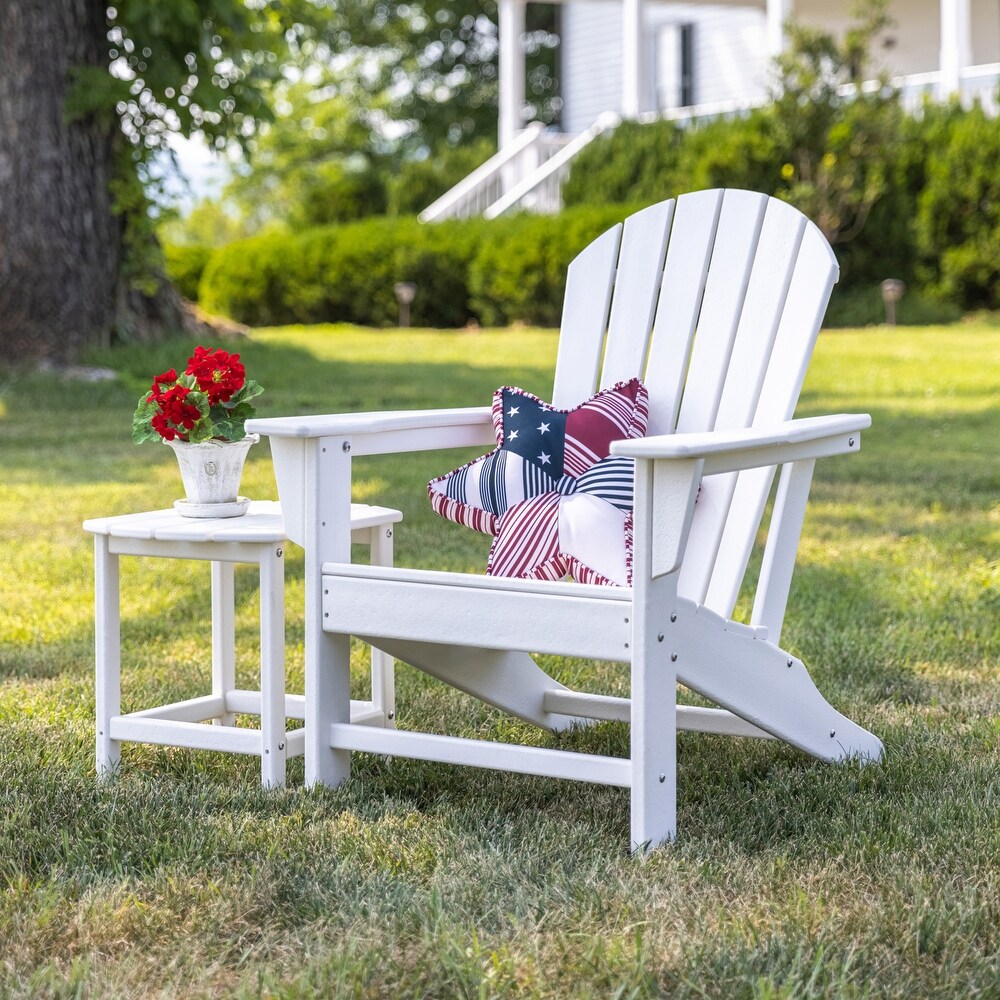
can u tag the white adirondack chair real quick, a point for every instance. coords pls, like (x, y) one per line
(715, 299)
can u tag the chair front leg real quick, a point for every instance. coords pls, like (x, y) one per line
(327, 656)
(665, 494)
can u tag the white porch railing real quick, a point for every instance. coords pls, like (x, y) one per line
(978, 84)
(541, 191)
(474, 195)
(530, 173)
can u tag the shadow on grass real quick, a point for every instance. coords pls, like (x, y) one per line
(93, 443)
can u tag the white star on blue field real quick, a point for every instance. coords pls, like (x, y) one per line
(535, 432)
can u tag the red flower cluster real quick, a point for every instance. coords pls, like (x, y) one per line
(210, 398)
(220, 375)
(174, 415)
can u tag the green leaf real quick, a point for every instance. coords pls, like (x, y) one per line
(250, 390)
(142, 426)
(203, 430)
(230, 429)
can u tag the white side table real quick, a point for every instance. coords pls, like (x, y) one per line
(256, 537)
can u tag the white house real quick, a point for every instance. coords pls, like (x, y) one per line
(646, 59)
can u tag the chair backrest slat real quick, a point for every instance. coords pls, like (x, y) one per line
(814, 275)
(780, 240)
(640, 275)
(723, 534)
(716, 299)
(812, 272)
(725, 290)
(684, 275)
(589, 283)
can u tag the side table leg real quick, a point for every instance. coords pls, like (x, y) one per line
(223, 637)
(107, 660)
(272, 666)
(383, 665)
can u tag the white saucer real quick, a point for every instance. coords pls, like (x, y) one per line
(235, 509)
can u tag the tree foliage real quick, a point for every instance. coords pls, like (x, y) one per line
(832, 129)
(382, 87)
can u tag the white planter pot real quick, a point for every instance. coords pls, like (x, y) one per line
(211, 472)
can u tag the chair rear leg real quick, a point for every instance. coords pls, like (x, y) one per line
(382, 664)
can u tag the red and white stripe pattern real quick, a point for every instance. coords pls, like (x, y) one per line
(527, 545)
(613, 414)
(551, 493)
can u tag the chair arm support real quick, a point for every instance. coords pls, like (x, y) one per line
(754, 447)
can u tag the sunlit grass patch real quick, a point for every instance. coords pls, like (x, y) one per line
(790, 878)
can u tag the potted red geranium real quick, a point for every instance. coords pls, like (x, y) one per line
(200, 414)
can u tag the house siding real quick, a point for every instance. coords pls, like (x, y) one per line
(730, 60)
(915, 37)
(591, 78)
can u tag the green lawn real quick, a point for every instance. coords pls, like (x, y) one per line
(790, 878)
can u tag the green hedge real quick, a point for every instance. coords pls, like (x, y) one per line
(499, 272)
(936, 225)
(519, 274)
(345, 274)
(958, 209)
(647, 163)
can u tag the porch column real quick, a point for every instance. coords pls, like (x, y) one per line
(511, 69)
(778, 12)
(956, 45)
(631, 57)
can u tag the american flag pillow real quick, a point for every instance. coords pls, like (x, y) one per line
(558, 503)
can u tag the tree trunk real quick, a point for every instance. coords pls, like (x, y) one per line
(60, 242)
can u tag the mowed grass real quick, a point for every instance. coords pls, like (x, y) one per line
(790, 878)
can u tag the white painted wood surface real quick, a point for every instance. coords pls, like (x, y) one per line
(256, 537)
(679, 305)
(716, 300)
(637, 286)
(590, 281)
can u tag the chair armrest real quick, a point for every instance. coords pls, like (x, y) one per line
(731, 451)
(351, 424)
(312, 454)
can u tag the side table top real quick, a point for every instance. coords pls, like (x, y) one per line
(261, 523)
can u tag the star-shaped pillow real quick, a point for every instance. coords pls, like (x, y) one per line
(558, 503)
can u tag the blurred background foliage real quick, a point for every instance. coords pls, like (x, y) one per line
(350, 156)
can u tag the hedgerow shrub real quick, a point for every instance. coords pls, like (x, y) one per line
(644, 164)
(958, 213)
(346, 274)
(419, 183)
(247, 280)
(184, 265)
(496, 272)
(935, 225)
(519, 274)
(634, 163)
